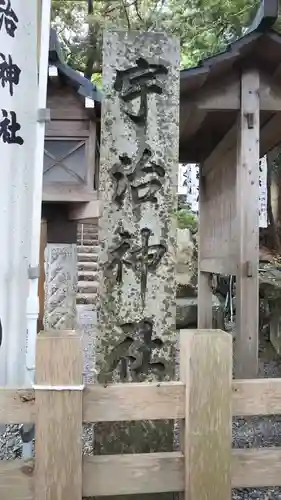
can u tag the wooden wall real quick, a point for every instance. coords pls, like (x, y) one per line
(69, 116)
(218, 216)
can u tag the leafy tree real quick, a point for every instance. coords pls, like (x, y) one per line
(186, 219)
(202, 26)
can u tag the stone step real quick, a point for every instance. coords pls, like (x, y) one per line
(88, 276)
(87, 266)
(88, 230)
(87, 257)
(86, 298)
(94, 240)
(87, 286)
(88, 237)
(87, 249)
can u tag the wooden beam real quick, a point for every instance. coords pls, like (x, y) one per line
(17, 407)
(58, 445)
(144, 473)
(270, 134)
(191, 118)
(256, 397)
(164, 472)
(254, 468)
(247, 189)
(133, 474)
(223, 96)
(219, 265)
(224, 147)
(53, 192)
(122, 402)
(85, 212)
(145, 401)
(67, 128)
(16, 480)
(226, 95)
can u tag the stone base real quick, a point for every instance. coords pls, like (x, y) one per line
(187, 313)
(60, 287)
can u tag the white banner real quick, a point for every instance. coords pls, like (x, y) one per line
(189, 185)
(263, 192)
(18, 110)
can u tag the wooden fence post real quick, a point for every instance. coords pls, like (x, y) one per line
(58, 448)
(206, 369)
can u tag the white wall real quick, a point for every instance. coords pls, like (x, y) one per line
(188, 184)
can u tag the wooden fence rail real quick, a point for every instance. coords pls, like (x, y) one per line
(205, 400)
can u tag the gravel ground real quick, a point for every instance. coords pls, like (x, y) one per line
(255, 432)
(260, 432)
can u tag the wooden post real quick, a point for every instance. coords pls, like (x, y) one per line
(206, 369)
(204, 308)
(58, 448)
(247, 287)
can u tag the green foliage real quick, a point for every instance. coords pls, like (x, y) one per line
(186, 219)
(202, 26)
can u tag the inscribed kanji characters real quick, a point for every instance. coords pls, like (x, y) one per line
(142, 259)
(134, 353)
(9, 128)
(8, 18)
(139, 81)
(9, 72)
(143, 176)
(18, 130)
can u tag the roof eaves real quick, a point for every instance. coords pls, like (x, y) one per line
(82, 85)
(264, 20)
(231, 51)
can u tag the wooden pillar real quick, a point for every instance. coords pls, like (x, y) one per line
(204, 279)
(247, 305)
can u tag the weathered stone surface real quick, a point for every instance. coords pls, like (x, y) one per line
(185, 250)
(187, 313)
(60, 286)
(139, 150)
(138, 179)
(87, 324)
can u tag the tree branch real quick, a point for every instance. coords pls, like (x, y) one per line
(127, 15)
(136, 5)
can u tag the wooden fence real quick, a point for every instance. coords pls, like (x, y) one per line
(205, 400)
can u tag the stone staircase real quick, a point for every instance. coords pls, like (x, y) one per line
(87, 262)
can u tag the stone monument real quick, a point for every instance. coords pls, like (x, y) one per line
(60, 286)
(137, 231)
